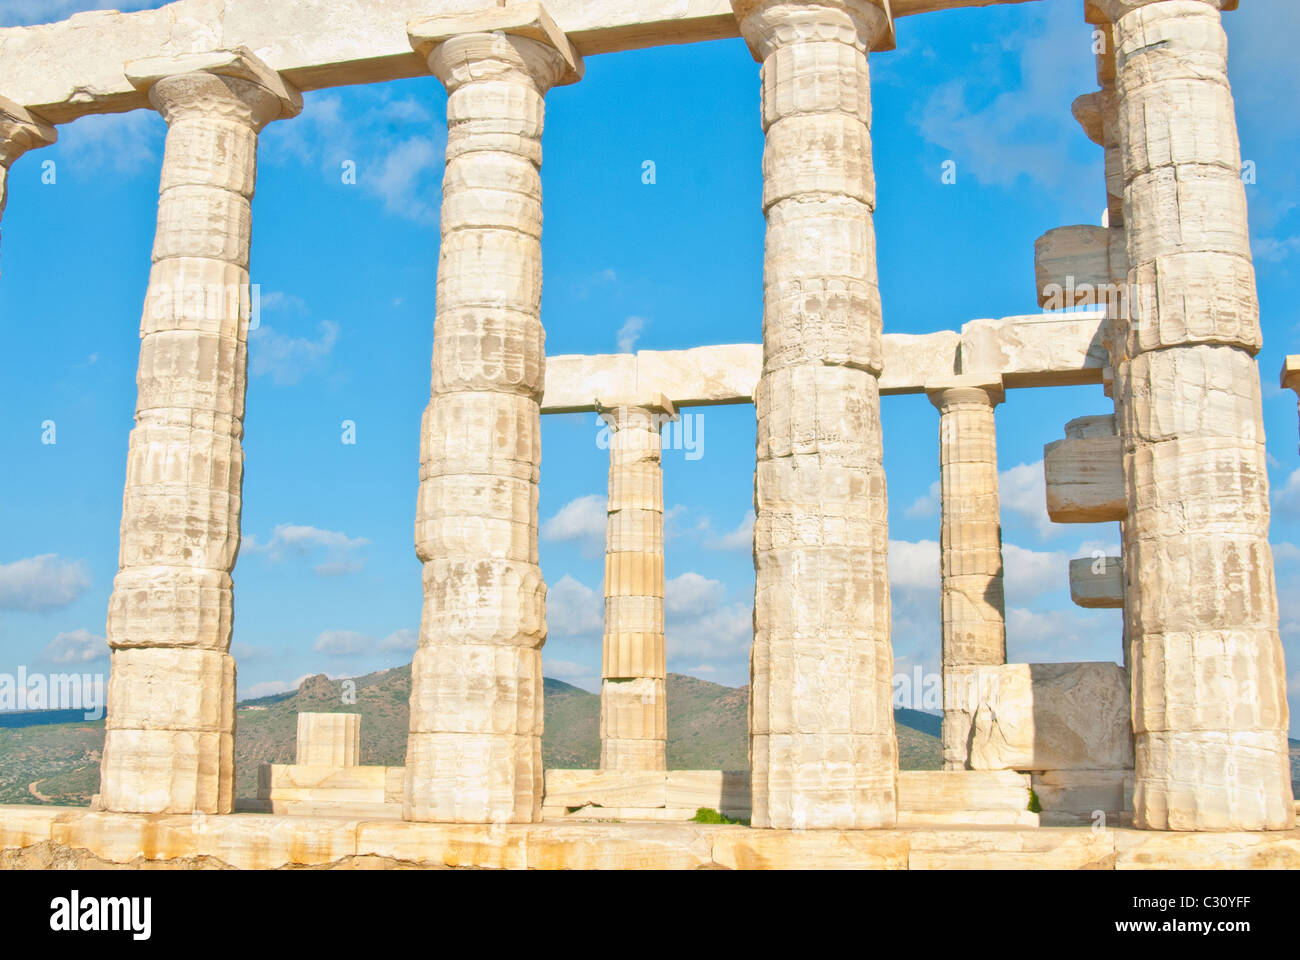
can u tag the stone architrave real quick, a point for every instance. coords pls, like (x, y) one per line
(1210, 713)
(169, 746)
(822, 747)
(20, 131)
(474, 752)
(970, 536)
(633, 704)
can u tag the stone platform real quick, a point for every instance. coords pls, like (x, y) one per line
(42, 837)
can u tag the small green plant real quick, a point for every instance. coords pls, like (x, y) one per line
(1034, 805)
(709, 815)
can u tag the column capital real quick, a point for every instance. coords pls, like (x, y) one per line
(1109, 11)
(966, 388)
(476, 45)
(1290, 378)
(767, 25)
(625, 410)
(21, 131)
(232, 82)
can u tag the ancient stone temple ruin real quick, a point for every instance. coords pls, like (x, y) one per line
(1187, 739)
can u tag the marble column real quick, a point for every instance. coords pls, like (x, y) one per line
(1209, 703)
(633, 706)
(20, 131)
(169, 746)
(474, 749)
(822, 747)
(970, 540)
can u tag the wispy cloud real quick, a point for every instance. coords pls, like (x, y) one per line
(118, 143)
(739, 538)
(337, 548)
(926, 505)
(582, 520)
(343, 643)
(287, 358)
(373, 139)
(1011, 117)
(353, 643)
(574, 610)
(74, 647)
(629, 333)
(45, 582)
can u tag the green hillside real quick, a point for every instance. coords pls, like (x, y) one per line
(59, 763)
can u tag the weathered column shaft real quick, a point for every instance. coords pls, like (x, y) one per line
(970, 542)
(1209, 704)
(633, 706)
(169, 746)
(474, 753)
(822, 747)
(19, 132)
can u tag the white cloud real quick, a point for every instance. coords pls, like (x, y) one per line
(1094, 546)
(1064, 635)
(286, 358)
(1010, 116)
(601, 278)
(629, 333)
(1022, 490)
(1286, 499)
(277, 300)
(724, 633)
(268, 687)
(582, 519)
(123, 143)
(691, 593)
(701, 624)
(926, 505)
(1030, 573)
(392, 145)
(574, 609)
(343, 643)
(914, 565)
(247, 652)
(399, 175)
(45, 582)
(351, 643)
(302, 541)
(75, 646)
(579, 674)
(741, 538)
(405, 639)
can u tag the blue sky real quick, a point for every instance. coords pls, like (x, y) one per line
(327, 579)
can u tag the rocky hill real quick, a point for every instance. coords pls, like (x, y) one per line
(59, 762)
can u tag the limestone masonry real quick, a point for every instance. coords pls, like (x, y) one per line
(1188, 735)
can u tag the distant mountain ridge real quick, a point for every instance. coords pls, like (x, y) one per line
(58, 762)
(44, 758)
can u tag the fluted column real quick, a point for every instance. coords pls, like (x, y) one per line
(633, 705)
(169, 746)
(474, 749)
(822, 747)
(1209, 703)
(20, 131)
(970, 539)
